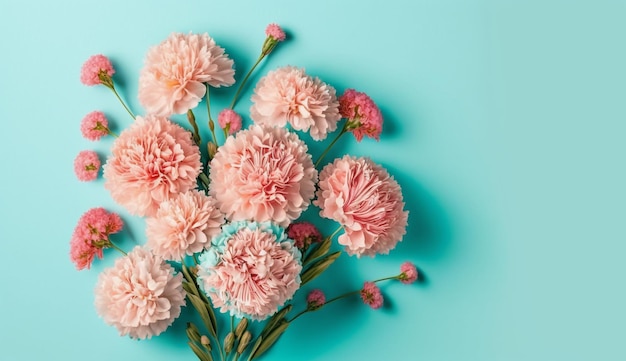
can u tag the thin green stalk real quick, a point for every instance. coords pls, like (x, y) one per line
(245, 79)
(208, 109)
(343, 131)
(121, 101)
(117, 248)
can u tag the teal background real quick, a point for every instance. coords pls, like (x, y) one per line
(505, 126)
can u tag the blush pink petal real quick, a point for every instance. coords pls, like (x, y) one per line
(150, 162)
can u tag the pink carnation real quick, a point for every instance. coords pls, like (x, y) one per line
(315, 299)
(183, 225)
(150, 162)
(408, 273)
(370, 294)
(263, 174)
(275, 31)
(96, 67)
(94, 126)
(87, 165)
(175, 72)
(91, 236)
(364, 117)
(251, 270)
(140, 295)
(304, 234)
(366, 201)
(289, 95)
(229, 120)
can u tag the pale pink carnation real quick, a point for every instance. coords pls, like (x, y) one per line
(275, 31)
(408, 273)
(229, 119)
(173, 78)
(366, 201)
(315, 299)
(304, 234)
(150, 162)
(183, 225)
(364, 117)
(91, 236)
(95, 67)
(289, 95)
(251, 271)
(94, 126)
(263, 174)
(139, 295)
(370, 294)
(87, 165)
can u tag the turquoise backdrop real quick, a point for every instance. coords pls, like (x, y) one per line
(504, 124)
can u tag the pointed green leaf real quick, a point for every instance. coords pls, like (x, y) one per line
(318, 267)
(270, 340)
(202, 354)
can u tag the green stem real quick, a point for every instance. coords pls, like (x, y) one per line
(245, 79)
(335, 232)
(121, 101)
(117, 248)
(208, 109)
(342, 132)
(232, 324)
(386, 278)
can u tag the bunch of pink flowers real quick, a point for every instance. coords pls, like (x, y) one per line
(223, 221)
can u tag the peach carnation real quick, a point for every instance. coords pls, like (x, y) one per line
(140, 295)
(175, 72)
(183, 225)
(364, 117)
(251, 269)
(263, 174)
(289, 95)
(150, 162)
(366, 201)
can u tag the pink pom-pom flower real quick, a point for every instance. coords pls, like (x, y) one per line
(315, 299)
(139, 295)
(151, 161)
(91, 236)
(304, 234)
(408, 273)
(173, 78)
(366, 201)
(364, 117)
(94, 126)
(230, 121)
(275, 31)
(97, 70)
(370, 294)
(87, 165)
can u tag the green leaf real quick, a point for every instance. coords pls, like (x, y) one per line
(202, 309)
(275, 320)
(192, 332)
(202, 354)
(317, 250)
(270, 340)
(318, 267)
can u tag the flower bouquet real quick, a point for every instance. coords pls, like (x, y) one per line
(224, 225)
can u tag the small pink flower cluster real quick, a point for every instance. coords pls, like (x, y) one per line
(91, 236)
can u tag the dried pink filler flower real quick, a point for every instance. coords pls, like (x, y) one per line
(151, 161)
(183, 225)
(289, 95)
(229, 120)
(315, 299)
(366, 201)
(263, 174)
(275, 31)
(364, 117)
(175, 72)
(96, 69)
(94, 126)
(87, 165)
(91, 236)
(370, 294)
(408, 273)
(304, 234)
(140, 295)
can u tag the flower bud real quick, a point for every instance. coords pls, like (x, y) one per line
(241, 327)
(212, 149)
(204, 340)
(229, 342)
(245, 340)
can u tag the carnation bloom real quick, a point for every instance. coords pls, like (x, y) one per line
(150, 162)
(304, 234)
(275, 31)
(263, 174)
(97, 70)
(366, 201)
(174, 73)
(315, 299)
(91, 236)
(289, 95)
(183, 225)
(229, 120)
(370, 294)
(408, 273)
(94, 126)
(364, 117)
(140, 295)
(250, 270)
(87, 165)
